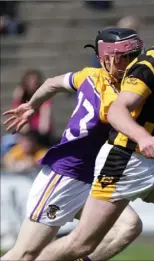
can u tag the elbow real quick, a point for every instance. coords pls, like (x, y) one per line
(49, 82)
(55, 84)
(51, 85)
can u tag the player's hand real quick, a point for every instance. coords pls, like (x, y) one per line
(18, 117)
(146, 146)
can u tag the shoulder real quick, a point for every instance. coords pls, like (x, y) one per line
(90, 71)
(142, 68)
(80, 76)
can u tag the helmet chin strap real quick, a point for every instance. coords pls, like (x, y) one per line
(119, 74)
(111, 65)
(110, 72)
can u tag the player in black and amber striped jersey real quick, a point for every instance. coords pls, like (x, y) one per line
(139, 79)
(124, 167)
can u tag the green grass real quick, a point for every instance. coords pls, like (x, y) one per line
(137, 252)
(2, 252)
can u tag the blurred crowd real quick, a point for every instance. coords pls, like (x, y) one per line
(100, 4)
(10, 23)
(21, 152)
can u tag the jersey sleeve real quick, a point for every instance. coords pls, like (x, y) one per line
(68, 81)
(74, 80)
(139, 80)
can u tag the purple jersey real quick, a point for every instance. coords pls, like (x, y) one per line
(82, 139)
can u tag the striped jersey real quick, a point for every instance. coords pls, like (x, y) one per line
(139, 79)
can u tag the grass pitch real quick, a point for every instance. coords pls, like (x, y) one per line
(141, 250)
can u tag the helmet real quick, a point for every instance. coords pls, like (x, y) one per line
(116, 42)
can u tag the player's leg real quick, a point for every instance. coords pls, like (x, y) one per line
(140, 167)
(32, 238)
(97, 218)
(126, 229)
(113, 187)
(33, 235)
(53, 201)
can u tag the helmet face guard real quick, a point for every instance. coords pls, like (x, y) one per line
(132, 46)
(115, 43)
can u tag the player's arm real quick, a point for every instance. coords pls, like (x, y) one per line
(49, 88)
(20, 116)
(120, 118)
(135, 89)
(62, 83)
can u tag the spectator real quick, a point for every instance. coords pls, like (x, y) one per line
(41, 121)
(23, 157)
(130, 22)
(7, 142)
(9, 21)
(100, 4)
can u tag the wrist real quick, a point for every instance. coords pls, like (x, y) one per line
(32, 106)
(142, 135)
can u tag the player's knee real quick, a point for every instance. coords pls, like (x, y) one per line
(133, 227)
(83, 245)
(27, 255)
(88, 248)
(85, 249)
(136, 226)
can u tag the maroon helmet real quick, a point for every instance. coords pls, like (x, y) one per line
(116, 42)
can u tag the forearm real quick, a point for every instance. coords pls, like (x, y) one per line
(45, 119)
(119, 117)
(47, 90)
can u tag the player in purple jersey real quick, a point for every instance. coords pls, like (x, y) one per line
(62, 187)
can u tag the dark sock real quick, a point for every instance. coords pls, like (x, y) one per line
(86, 258)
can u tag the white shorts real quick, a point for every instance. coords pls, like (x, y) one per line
(54, 200)
(122, 175)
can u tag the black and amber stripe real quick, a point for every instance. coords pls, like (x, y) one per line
(141, 68)
(105, 185)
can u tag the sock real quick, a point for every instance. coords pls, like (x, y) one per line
(86, 258)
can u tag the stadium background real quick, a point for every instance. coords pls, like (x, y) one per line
(53, 42)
